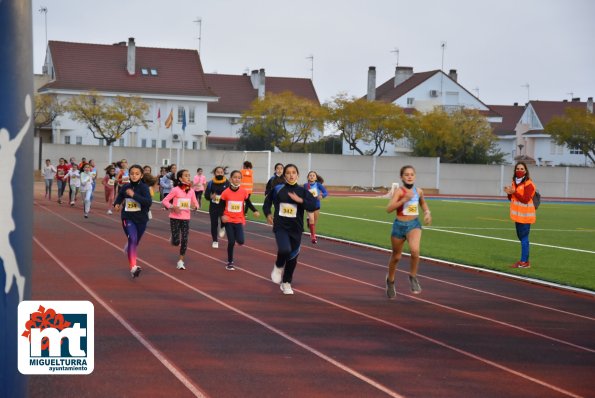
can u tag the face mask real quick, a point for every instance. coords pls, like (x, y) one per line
(219, 178)
(408, 186)
(233, 186)
(519, 173)
(291, 183)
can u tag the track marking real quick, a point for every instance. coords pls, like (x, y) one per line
(180, 375)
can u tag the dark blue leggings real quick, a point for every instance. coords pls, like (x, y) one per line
(133, 232)
(288, 245)
(522, 232)
(235, 234)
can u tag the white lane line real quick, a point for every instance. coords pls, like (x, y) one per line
(180, 375)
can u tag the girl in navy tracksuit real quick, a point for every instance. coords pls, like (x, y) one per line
(215, 188)
(136, 200)
(290, 201)
(314, 185)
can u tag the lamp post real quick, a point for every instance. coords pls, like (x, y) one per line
(521, 150)
(207, 132)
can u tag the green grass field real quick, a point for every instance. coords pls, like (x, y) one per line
(561, 232)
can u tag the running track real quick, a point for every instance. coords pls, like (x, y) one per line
(211, 332)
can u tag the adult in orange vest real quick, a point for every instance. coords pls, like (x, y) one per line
(247, 180)
(522, 209)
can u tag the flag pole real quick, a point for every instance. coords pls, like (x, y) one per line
(157, 143)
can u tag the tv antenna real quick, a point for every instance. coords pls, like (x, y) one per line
(396, 52)
(44, 10)
(311, 58)
(198, 21)
(527, 86)
(476, 89)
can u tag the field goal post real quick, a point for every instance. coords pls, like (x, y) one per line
(268, 170)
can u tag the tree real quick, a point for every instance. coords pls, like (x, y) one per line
(375, 123)
(108, 120)
(47, 109)
(463, 136)
(576, 129)
(282, 120)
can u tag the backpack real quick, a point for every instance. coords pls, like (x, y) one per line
(536, 199)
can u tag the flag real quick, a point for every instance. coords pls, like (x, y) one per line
(170, 119)
(159, 117)
(184, 119)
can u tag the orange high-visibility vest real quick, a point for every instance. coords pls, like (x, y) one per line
(520, 212)
(247, 180)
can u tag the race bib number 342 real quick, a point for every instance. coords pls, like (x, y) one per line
(288, 210)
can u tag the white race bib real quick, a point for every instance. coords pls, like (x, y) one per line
(314, 192)
(215, 199)
(111, 182)
(184, 203)
(288, 210)
(411, 209)
(234, 206)
(131, 205)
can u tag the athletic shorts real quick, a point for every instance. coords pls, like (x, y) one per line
(402, 228)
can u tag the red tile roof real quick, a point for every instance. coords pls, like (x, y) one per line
(83, 66)
(236, 92)
(511, 114)
(389, 93)
(546, 110)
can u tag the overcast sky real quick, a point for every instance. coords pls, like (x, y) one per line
(497, 47)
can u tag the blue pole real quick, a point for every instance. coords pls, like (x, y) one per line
(16, 174)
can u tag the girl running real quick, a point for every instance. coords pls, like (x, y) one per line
(522, 209)
(61, 172)
(109, 186)
(276, 179)
(406, 227)
(86, 188)
(314, 185)
(215, 188)
(180, 201)
(198, 184)
(74, 180)
(233, 201)
(49, 172)
(290, 201)
(166, 182)
(137, 200)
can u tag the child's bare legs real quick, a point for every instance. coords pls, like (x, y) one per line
(397, 246)
(414, 239)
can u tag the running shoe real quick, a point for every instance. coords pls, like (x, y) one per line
(521, 264)
(391, 292)
(215, 245)
(86, 215)
(180, 265)
(135, 271)
(414, 284)
(314, 241)
(230, 266)
(221, 233)
(72, 203)
(276, 274)
(109, 211)
(286, 288)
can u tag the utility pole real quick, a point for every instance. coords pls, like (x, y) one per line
(443, 45)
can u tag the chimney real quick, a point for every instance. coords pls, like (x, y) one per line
(453, 74)
(402, 73)
(131, 56)
(516, 104)
(261, 84)
(590, 104)
(254, 79)
(576, 99)
(371, 83)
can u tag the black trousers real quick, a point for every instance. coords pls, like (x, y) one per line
(179, 233)
(288, 249)
(215, 219)
(235, 234)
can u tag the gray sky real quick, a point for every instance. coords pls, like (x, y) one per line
(496, 46)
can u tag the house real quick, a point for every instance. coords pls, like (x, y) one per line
(236, 93)
(535, 145)
(505, 129)
(169, 80)
(422, 91)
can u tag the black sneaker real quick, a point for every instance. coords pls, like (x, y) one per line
(391, 292)
(230, 266)
(414, 284)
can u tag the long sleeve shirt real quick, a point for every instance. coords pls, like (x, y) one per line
(288, 215)
(135, 208)
(184, 199)
(213, 193)
(232, 204)
(74, 177)
(86, 181)
(317, 190)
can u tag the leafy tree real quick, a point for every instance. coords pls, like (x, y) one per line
(282, 120)
(47, 109)
(108, 119)
(375, 123)
(576, 129)
(463, 136)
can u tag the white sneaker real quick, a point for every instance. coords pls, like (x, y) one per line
(221, 233)
(277, 274)
(286, 288)
(180, 265)
(215, 245)
(109, 211)
(135, 271)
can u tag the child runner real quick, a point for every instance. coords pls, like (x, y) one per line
(166, 182)
(86, 188)
(109, 186)
(150, 180)
(233, 201)
(215, 188)
(49, 172)
(314, 185)
(94, 175)
(198, 184)
(180, 201)
(290, 201)
(136, 198)
(61, 172)
(247, 179)
(406, 227)
(74, 181)
(276, 179)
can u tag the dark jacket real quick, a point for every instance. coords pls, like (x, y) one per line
(142, 196)
(279, 197)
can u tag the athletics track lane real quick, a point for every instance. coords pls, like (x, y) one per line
(231, 334)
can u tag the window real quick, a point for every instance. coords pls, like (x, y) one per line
(101, 142)
(67, 139)
(552, 148)
(143, 143)
(79, 140)
(575, 151)
(153, 143)
(180, 114)
(191, 115)
(121, 142)
(144, 71)
(163, 143)
(194, 144)
(410, 101)
(153, 72)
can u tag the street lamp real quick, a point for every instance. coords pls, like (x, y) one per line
(521, 149)
(207, 132)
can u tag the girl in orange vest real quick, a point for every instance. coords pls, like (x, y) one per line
(522, 210)
(247, 179)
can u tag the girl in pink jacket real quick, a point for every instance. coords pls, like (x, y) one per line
(180, 200)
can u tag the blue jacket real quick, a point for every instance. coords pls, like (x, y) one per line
(318, 187)
(141, 197)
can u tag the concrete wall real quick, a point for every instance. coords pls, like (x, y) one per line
(347, 171)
